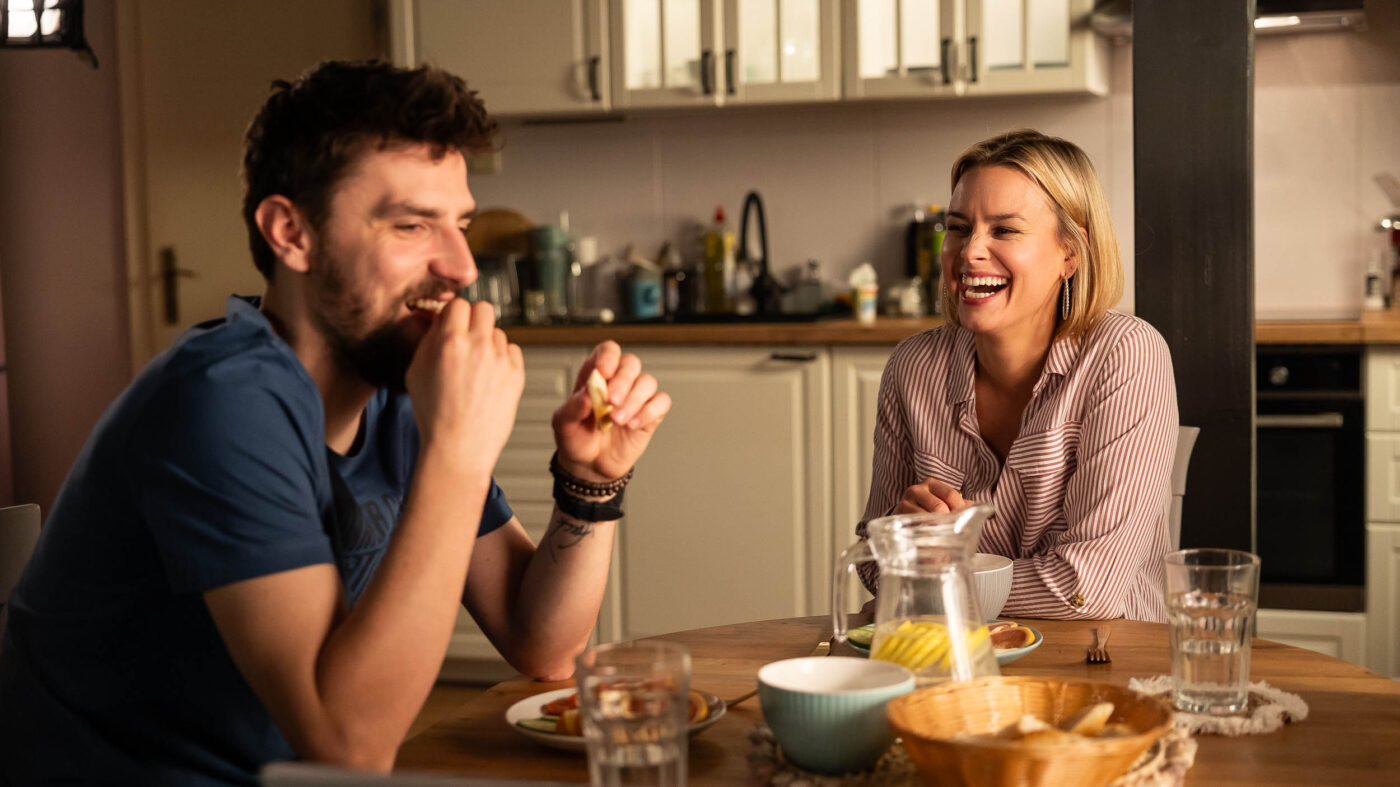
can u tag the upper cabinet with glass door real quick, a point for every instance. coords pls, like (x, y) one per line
(675, 53)
(1034, 46)
(921, 48)
(525, 57)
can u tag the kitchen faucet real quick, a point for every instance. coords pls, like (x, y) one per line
(765, 288)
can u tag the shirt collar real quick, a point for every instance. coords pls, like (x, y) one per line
(1063, 355)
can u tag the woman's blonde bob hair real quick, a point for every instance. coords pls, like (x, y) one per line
(1067, 177)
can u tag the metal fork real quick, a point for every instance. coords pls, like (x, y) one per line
(1098, 652)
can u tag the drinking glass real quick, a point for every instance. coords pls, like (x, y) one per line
(634, 705)
(1211, 598)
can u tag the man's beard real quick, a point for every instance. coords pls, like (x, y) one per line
(380, 355)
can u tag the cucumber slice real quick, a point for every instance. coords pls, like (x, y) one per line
(542, 724)
(861, 635)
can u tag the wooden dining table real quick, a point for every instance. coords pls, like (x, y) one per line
(1351, 735)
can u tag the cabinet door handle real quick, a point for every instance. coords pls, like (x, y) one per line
(729, 71)
(1313, 421)
(943, 60)
(972, 56)
(705, 85)
(593, 63)
(169, 273)
(798, 357)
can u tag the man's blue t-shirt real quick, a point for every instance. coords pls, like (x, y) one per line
(210, 468)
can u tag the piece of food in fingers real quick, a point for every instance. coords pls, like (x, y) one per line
(427, 305)
(598, 394)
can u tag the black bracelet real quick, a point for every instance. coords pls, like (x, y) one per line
(584, 488)
(587, 510)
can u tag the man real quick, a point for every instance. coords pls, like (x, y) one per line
(261, 550)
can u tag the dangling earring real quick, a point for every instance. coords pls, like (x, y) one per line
(1064, 300)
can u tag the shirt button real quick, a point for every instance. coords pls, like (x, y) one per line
(1078, 600)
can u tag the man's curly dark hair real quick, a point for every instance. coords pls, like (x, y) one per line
(310, 131)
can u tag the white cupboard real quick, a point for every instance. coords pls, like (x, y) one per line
(525, 57)
(1340, 635)
(679, 53)
(729, 515)
(933, 48)
(739, 505)
(1382, 385)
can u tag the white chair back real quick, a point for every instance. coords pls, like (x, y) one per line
(19, 530)
(1185, 442)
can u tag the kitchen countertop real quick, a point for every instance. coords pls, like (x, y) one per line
(885, 330)
(1379, 327)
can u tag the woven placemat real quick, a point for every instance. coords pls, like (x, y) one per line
(1269, 708)
(1163, 765)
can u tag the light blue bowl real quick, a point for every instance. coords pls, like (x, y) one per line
(828, 713)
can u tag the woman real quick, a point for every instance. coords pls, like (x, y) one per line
(1034, 397)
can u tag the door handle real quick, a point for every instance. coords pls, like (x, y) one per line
(972, 57)
(169, 273)
(593, 78)
(729, 71)
(1309, 421)
(798, 357)
(706, 86)
(946, 44)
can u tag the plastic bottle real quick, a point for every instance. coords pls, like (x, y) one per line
(865, 292)
(933, 280)
(719, 263)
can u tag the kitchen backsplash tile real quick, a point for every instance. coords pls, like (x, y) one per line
(1309, 231)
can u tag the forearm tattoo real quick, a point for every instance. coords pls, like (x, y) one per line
(565, 532)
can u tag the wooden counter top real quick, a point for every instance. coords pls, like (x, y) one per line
(885, 330)
(1380, 327)
(1377, 327)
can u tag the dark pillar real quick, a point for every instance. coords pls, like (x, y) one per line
(1193, 150)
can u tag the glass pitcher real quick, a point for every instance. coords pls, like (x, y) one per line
(926, 615)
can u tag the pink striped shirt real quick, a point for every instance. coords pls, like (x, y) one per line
(1082, 497)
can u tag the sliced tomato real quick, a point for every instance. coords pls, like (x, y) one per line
(557, 707)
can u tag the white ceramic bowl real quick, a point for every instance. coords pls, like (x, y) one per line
(991, 577)
(828, 713)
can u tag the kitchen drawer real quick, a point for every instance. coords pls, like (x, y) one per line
(1383, 477)
(1383, 598)
(1382, 372)
(1340, 635)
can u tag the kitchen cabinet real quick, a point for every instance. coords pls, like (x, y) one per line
(1382, 386)
(729, 515)
(740, 504)
(525, 57)
(1341, 635)
(934, 48)
(678, 53)
(855, 391)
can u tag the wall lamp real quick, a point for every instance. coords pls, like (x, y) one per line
(47, 24)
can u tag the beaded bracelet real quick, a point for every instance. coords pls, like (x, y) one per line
(587, 510)
(578, 486)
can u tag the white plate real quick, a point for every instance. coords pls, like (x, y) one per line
(529, 708)
(1003, 656)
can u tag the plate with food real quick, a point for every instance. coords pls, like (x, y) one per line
(552, 718)
(1010, 640)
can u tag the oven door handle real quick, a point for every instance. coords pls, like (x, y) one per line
(1310, 421)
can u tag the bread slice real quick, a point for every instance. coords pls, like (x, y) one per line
(598, 394)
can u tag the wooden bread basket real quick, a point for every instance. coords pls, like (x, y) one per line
(936, 725)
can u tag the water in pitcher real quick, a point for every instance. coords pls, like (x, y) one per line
(1210, 650)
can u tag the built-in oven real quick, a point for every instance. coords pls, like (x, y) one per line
(1310, 528)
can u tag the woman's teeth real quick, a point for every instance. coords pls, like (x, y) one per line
(979, 287)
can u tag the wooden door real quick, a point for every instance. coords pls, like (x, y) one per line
(193, 76)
